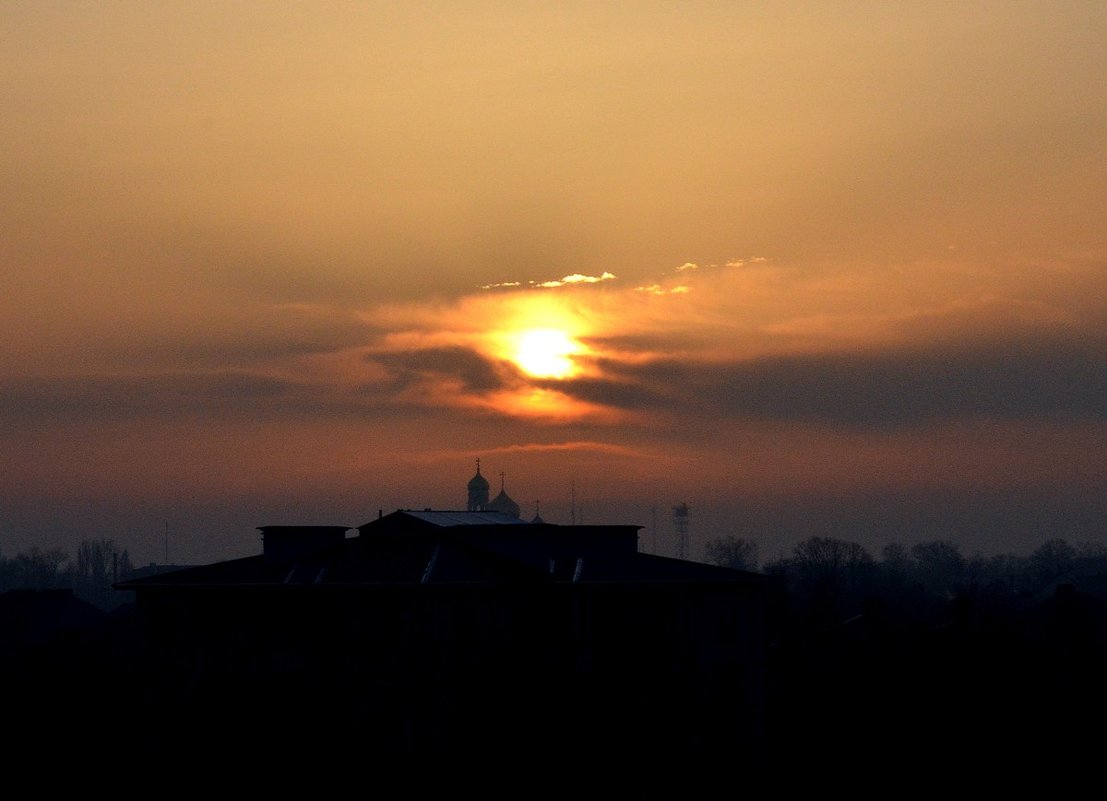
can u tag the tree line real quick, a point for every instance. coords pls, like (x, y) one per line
(99, 563)
(838, 575)
(923, 655)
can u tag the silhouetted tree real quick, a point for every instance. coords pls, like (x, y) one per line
(35, 570)
(896, 557)
(1091, 559)
(895, 567)
(939, 567)
(826, 558)
(832, 575)
(998, 576)
(733, 552)
(99, 564)
(1050, 561)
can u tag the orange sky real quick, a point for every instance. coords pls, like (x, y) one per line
(826, 268)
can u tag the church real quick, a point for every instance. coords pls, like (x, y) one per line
(478, 497)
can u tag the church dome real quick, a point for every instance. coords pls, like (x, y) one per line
(477, 496)
(502, 503)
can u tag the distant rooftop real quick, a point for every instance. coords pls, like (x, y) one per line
(448, 518)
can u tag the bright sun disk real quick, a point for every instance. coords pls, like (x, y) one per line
(546, 353)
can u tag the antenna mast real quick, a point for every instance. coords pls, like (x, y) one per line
(680, 526)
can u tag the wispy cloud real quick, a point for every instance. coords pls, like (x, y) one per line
(577, 278)
(686, 270)
(657, 289)
(568, 280)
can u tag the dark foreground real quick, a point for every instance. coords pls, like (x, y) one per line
(984, 693)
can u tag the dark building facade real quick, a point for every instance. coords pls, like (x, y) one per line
(443, 631)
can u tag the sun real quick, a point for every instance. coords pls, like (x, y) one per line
(546, 353)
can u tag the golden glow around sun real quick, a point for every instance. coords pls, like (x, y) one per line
(546, 353)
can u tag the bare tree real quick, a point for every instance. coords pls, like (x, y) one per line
(99, 564)
(733, 552)
(1052, 560)
(939, 566)
(832, 573)
(36, 570)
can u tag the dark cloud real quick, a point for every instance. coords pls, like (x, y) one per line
(476, 373)
(652, 342)
(195, 397)
(105, 398)
(227, 351)
(1006, 380)
(242, 395)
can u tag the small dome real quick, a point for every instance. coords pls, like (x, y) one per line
(502, 503)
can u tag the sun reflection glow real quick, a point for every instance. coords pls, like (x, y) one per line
(542, 404)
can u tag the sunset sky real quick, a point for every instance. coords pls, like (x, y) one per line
(833, 268)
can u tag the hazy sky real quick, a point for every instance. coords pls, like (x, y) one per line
(833, 268)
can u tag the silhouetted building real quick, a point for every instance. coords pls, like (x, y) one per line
(449, 629)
